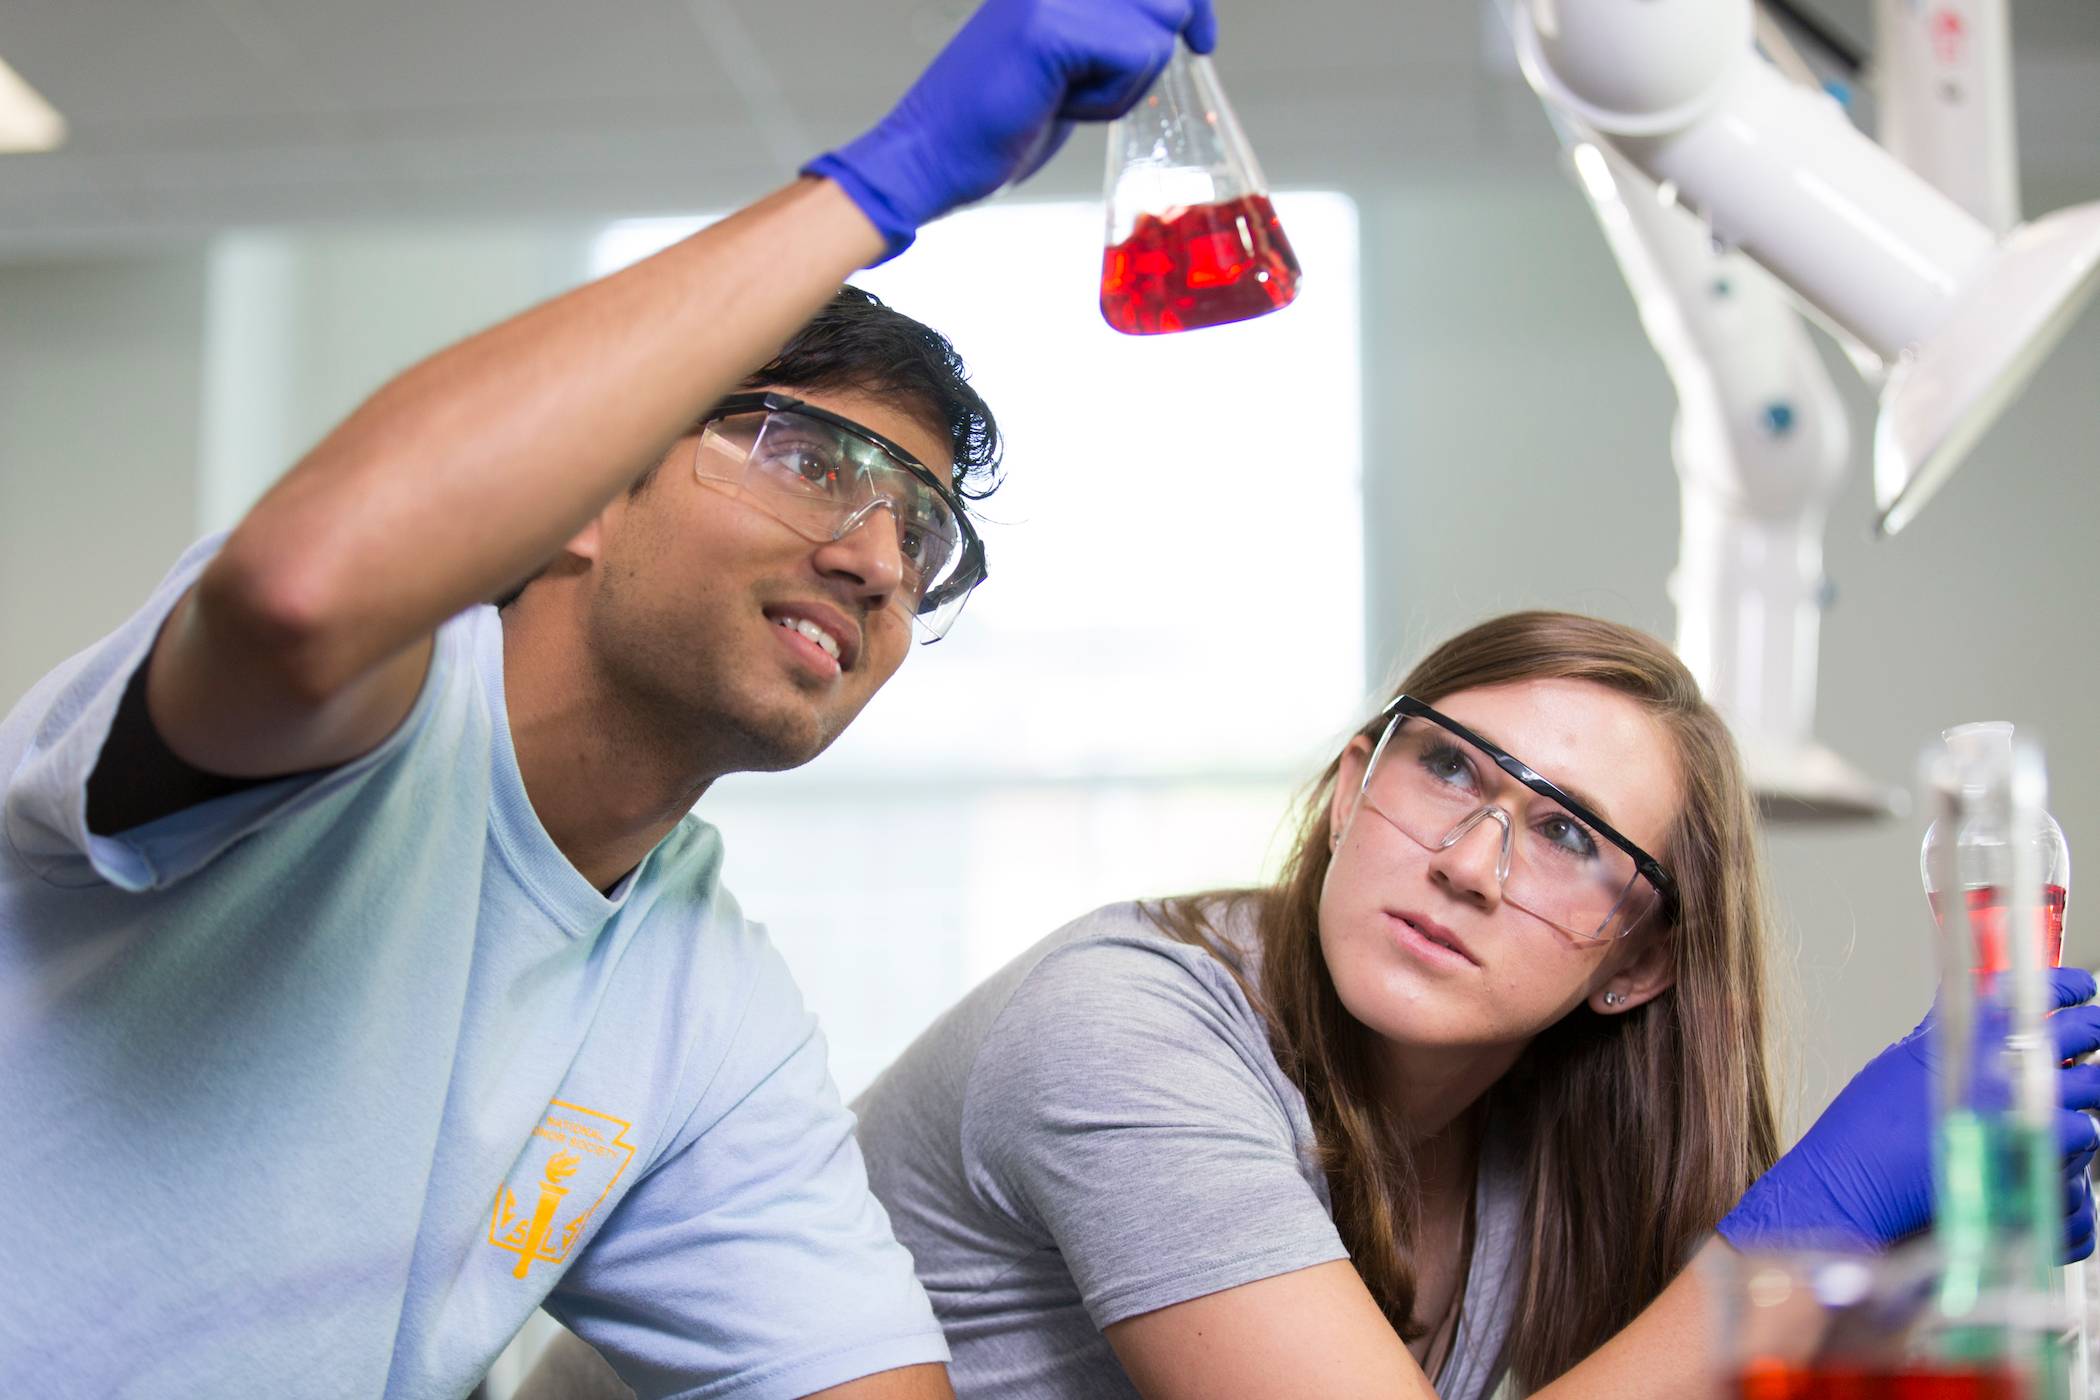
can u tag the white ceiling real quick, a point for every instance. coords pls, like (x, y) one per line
(194, 115)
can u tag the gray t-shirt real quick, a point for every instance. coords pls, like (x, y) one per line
(1101, 1130)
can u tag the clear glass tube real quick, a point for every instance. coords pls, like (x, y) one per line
(1999, 1194)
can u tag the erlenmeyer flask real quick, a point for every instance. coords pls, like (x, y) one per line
(1192, 238)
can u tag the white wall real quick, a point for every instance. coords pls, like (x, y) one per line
(303, 326)
(99, 377)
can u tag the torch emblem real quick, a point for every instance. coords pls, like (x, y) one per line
(542, 1209)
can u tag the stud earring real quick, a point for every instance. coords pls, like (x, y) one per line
(1613, 998)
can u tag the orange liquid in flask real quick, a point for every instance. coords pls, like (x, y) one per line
(1987, 923)
(1200, 266)
(1772, 1381)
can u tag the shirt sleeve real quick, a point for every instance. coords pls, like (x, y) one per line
(752, 1260)
(52, 740)
(1129, 1111)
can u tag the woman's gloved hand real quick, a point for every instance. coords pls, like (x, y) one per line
(1861, 1176)
(1000, 99)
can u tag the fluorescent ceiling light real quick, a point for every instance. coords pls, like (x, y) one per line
(27, 121)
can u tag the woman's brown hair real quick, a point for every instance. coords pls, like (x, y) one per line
(1638, 1130)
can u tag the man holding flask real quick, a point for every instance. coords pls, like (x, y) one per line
(364, 981)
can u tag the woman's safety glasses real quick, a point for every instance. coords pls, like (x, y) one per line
(1438, 782)
(824, 477)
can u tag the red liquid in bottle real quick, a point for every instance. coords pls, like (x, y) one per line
(1200, 266)
(1773, 1381)
(1987, 921)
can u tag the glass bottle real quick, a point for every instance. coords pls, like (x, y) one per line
(1193, 240)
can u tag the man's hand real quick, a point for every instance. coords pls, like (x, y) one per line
(1000, 99)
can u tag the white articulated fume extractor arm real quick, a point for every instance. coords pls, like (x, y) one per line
(1761, 445)
(1703, 161)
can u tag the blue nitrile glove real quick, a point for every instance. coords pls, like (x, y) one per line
(1000, 99)
(1861, 1176)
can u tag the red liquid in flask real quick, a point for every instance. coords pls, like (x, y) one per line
(1987, 922)
(1773, 1381)
(1200, 266)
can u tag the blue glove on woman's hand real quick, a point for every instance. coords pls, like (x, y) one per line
(1000, 99)
(1861, 1176)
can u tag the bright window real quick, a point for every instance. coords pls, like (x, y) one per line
(1170, 641)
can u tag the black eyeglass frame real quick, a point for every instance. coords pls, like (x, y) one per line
(1647, 866)
(969, 572)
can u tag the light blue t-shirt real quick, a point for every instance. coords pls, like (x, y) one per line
(322, 1087)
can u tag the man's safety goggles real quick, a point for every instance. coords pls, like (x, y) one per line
(1438, 782)
(824, 476)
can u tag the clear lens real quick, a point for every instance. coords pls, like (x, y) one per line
(939, 609)
(824, 482)
(1439, 790)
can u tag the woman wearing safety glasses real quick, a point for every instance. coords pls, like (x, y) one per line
(1457, 1098)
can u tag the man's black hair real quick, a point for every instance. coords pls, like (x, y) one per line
(859, 343)
(856, 342)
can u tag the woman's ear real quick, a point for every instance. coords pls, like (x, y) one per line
(1348, 783)
(1645, 974)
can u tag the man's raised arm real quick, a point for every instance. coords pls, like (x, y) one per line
(305, 640)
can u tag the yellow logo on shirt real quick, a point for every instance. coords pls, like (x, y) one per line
(572, 1151)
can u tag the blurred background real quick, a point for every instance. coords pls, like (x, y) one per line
(1212, 548)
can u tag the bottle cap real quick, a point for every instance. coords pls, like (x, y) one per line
(1983, 741)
